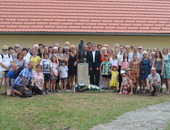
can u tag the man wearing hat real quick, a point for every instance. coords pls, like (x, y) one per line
(5, 64)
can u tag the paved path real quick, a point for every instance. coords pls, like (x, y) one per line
(153, 117)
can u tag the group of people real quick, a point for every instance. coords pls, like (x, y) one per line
(47, 69)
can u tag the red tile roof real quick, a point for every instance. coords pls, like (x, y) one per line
(91, 16)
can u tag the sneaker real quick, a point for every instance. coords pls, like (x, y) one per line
(153, 92)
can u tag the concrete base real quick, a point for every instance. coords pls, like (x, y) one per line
(83, 73)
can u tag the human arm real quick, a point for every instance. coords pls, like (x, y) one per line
(162, 67)
(24, 83)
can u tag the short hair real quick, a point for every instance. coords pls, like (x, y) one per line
(144, 52)
(35, 45)
(20, 53)
(89, 43)
(38, 65)
(45, 54)
(24, 49)
(105, 55)
(99, 45)
(10, 48)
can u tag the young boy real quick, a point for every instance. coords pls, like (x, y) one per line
(63, 72)
(104, 70)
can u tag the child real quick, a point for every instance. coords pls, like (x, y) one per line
(54, 73)
(104, 69)
(134, 67)
(114, 78)
(125, 85)
(46, 69)
(63, 71)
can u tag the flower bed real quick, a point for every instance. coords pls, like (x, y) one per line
(83, 88)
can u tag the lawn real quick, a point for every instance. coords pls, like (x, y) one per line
(79, 111)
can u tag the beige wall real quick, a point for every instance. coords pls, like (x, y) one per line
(29, 40)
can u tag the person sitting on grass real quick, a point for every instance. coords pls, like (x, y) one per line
(154, 82)
(10, 80)
(114, 78)
(63, 72)
(125, 85)
(38, 79)
(104, 70)
(24, 82)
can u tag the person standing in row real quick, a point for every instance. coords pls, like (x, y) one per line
(166, 73)
(94, 65)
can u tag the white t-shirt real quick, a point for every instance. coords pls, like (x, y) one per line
(46, 66)
(27, 58)
(114, 62)
(6, 60)
(63, 71)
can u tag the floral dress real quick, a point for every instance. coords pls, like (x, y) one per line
(166, 73)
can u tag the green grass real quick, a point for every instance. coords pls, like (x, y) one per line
(69, 110)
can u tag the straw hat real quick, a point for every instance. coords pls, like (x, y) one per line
(5, 47)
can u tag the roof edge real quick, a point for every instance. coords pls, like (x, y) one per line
(85, 33)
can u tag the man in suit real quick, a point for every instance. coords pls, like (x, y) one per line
(93, 58)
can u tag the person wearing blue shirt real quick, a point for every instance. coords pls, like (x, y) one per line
(10, 81)
(24, 82)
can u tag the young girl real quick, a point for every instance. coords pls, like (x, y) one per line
(63, 71)
(114, 78)
(46, 69)
(125, 85)
(125, 62)
(54, 73)
(134, 67)
(104, 69)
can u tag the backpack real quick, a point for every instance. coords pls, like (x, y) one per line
(18, 71)
(3, 55)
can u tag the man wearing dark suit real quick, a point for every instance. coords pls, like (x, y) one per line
(93, 58)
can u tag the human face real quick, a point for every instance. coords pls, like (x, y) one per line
(31, 66)
(38, 69)
(134, 58)
(42, 50)
(114, 68)
(135, 49)
(15, 67)
(145, 55)
(63, 64)
(60, 50)
(34, 52)
(93, 47)
(121, 48)
(86, 48)
(157, 54)
(106, 58)
(46, 56)
(153, 71)
(73, 49)
(99, 48)
(5, 51)
(54, 59)
(17, 48)
(21, 56)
